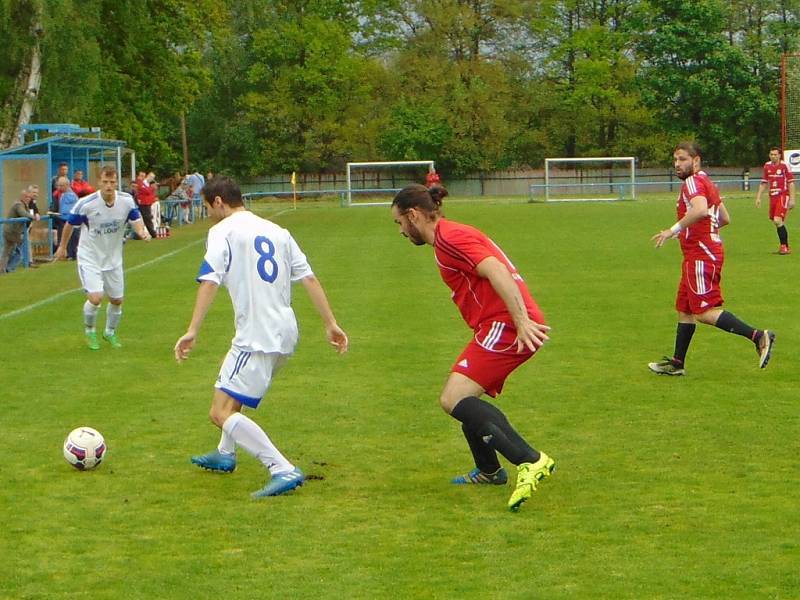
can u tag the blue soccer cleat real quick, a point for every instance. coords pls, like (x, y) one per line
(499, 477)
(280, 484)
(216, 461)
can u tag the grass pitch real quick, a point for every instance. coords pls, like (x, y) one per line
(665, 487)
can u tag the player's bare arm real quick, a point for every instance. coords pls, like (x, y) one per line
(698, 211)
(336, 336)
(66, 233)
(205, 298)
(761, 187)
(723, 215)
(141, 230)
(791, 194)
(530, 334)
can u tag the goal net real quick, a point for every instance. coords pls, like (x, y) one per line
(376, 183)
(604, 178)
(790, 110)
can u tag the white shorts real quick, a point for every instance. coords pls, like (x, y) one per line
(245, 376)
(95, 281)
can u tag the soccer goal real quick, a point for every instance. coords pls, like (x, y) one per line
(790, 110)
(603, 178)
(376, 183)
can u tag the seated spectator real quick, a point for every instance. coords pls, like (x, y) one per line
(80, 186)
(13, 233)
(183, 195)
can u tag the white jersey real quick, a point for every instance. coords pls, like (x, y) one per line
(257, 261)
(103, 228)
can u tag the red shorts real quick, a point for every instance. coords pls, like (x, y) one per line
(491, 356)
(778, 206)
(699, 289)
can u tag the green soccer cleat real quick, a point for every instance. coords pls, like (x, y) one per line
(499, 477)
(112, 339)
(91, 340)
(528, 476)
(666, 366)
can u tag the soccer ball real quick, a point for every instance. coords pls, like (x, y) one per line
(84, 448)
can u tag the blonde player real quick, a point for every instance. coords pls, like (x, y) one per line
(102, 217)
(257, 261)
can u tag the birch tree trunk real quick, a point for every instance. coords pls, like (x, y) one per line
(22, 102)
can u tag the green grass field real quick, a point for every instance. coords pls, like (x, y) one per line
(665, 488)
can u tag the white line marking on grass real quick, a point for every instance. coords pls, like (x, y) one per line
(55, 297)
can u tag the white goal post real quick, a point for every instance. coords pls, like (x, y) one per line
(624, 189)
(378, 165)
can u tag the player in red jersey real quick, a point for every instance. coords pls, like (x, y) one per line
(701, 213)
(509, 328)
(780, 180)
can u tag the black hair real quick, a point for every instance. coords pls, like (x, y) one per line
(224, 187)
(692, 148)
(420, 197)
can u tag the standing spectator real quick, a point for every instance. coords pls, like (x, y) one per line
(63, 171)
(780, 180)
(509, 329)
(60, 212)
(701, 213)
(432, 178)
(33, 209)
(80, 186)
(67, 201)
(257, 261)
(146, 196)
(13, 233)
(103, 215)
(197, 182)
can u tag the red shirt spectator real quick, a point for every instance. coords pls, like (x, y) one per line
(146, 193)
(80, 186)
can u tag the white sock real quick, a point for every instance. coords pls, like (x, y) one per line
(247, 434)
(227, 445)
(113, 316)
(90, 315)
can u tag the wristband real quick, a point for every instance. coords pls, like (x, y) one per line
(676, 229)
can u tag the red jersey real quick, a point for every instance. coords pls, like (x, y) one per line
(778, 177)
(81, 188)
(432, 178)
(700, 241)
(459, 249)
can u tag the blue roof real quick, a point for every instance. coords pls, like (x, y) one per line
(40, 146)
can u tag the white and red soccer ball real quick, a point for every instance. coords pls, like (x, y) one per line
(84, 448)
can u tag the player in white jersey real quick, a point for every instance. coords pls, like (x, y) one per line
(257, 261)
(102, 217)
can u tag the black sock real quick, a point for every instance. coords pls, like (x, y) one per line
(683, 336)
(730, 323)
(783, 235)
(491, 426)
(484, 455)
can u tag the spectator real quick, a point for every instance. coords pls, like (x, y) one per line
(197, 182)
(12, 233)
(63, 171)
(68, 199)
(80, 186)
(146, 196)
(183, 195)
